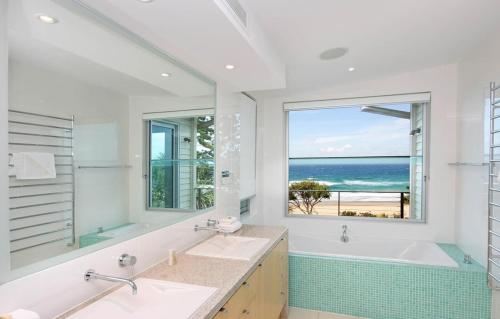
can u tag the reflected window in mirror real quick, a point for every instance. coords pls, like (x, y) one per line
(180, 173)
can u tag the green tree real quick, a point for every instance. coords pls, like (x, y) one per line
(305, 195)
(205, 136)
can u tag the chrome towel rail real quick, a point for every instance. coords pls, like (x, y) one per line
(41, 244)
(493, 194)
(41, 224)
(43, 115)
(41, 125)
(468, 164)
(41, 214)
(103, 166)
(38, 205)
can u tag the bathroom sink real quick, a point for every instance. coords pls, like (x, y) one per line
(154, 299)
(231, 247)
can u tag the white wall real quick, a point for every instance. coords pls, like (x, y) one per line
(4, 160)
(474, 75)
(442, 82)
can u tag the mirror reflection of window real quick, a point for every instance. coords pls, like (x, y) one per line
(181, 163)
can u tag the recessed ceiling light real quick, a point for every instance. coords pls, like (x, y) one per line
(145, 1)
(229, 67)
(351, 69)
(166, 75)
(333, 53)
(47, 19)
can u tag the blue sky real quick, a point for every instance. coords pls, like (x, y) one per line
(342, 132)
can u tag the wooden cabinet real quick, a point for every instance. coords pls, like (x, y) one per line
(264, 295)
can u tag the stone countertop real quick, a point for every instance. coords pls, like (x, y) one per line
(226, 275)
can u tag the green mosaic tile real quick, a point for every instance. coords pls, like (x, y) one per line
(382, 290)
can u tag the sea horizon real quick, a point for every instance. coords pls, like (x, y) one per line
(369, 174)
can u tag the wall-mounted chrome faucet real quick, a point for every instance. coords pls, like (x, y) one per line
(211, 225)
(91, 274)
(344, 238)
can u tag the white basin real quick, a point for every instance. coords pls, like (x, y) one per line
(154, 299)
(231, 247)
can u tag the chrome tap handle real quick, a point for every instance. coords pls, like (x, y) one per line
(126, 260)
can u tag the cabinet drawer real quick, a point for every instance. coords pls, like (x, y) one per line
(241, 301)
(252, 311)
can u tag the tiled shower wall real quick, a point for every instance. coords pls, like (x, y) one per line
(381, 290)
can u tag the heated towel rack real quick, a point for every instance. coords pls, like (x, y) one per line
(42, 212)
(494, 190)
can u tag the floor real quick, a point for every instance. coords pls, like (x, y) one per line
(299, 313)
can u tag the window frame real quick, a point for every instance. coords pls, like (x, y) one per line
(245, 205)
(426, 160)
(176, 195)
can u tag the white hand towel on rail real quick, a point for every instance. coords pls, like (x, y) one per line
(21, 314)
(30, 165)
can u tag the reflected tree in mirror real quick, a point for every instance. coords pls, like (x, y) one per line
(205, 195)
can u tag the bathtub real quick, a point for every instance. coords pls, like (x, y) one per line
(394, 250)
(386, 279)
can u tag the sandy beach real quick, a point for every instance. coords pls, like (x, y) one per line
(330, 208)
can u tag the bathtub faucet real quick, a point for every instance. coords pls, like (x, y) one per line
(344, 238)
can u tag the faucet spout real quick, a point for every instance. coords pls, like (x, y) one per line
(91, 274)
(344, 238)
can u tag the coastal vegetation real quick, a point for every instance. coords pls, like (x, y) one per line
(304, 195)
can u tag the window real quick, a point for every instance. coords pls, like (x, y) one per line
(359, 160)
(181, 163)
(163, 150)
(244, 206)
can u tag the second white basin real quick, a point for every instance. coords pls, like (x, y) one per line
(232, 247)
(154, 299)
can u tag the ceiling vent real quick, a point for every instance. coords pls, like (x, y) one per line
(237, 10)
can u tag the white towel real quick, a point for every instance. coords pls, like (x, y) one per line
(29, 165)
(230, 228)
(228, 220)
(24, 314)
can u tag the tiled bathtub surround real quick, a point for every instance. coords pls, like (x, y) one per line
(382, 290)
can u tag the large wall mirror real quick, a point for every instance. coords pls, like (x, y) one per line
(108, 137)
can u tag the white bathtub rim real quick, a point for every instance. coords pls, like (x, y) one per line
(368, 258)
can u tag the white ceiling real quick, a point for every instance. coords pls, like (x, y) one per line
(203, 34)
(383, 36)
(30, 52)
(97, 49)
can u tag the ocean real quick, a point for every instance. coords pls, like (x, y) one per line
(354, 174)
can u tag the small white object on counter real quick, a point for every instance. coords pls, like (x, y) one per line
(230, 228)
(21, 314)
(172, 257)
(228, 220)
